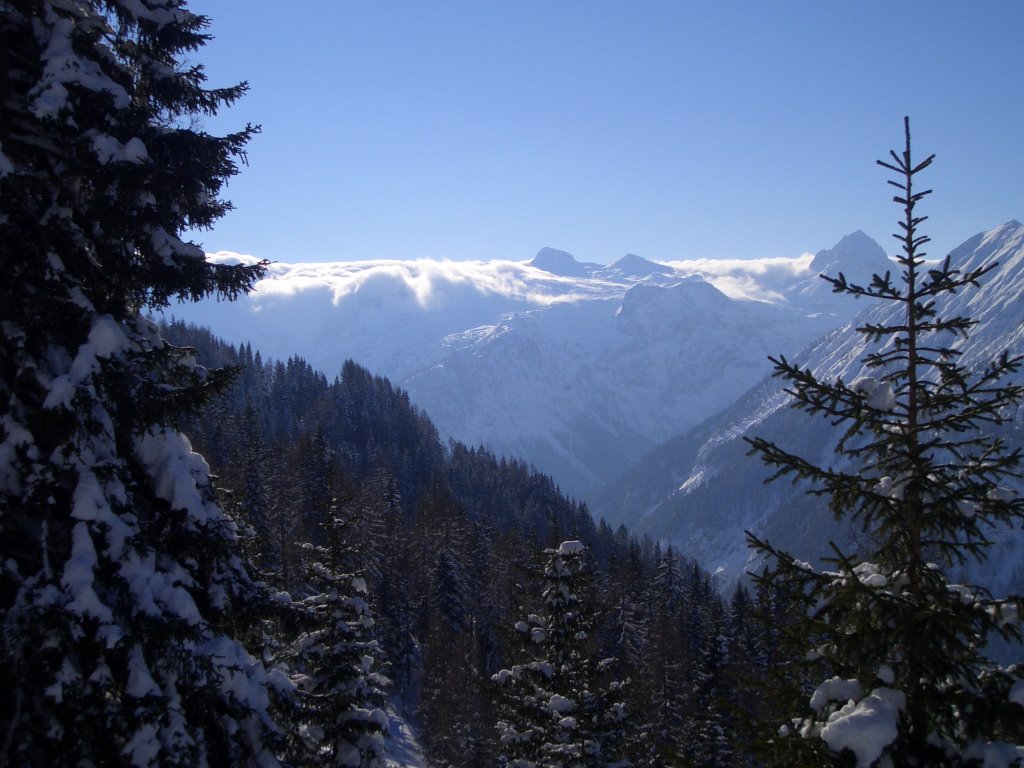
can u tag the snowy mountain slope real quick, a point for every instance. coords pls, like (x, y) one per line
(576, 367)
(391, 316)
(583, 389)
(701, 490)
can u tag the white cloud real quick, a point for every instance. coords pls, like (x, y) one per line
(433, 284)
(428, 282)
(753, 279)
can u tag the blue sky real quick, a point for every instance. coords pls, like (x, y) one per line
(675, 130)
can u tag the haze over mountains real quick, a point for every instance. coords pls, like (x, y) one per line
(579, 368)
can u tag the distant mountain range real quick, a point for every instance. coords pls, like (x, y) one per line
(701, 491)
(631, 384)
(578, 368)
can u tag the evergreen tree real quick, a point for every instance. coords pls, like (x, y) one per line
(745, 674)
(252, 477)
(660, 689)
(451, 681)
(898, 652)
(710, 740)
(557, 711)
(122, 585)
(336, 666)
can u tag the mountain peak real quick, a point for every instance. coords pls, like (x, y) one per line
(856, 255)
(1010, 230)
(632, 265)
(556, 262)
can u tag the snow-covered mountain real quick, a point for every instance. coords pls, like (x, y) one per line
(582, 389)
(579, 368)
(702, 490)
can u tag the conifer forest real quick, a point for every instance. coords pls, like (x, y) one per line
(209, 558)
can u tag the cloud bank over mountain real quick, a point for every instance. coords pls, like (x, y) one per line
(577, 367)
(541, 281)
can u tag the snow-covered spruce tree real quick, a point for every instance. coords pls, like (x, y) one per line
(450, 681)
(555, 711)
(710, 737)
(122, 587)
(659, 689)
(899, 659)
(336, 668)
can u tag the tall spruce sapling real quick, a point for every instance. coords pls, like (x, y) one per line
(558, 708)
(895, 652)
(660, 686)
(122, 587)
(340, 689)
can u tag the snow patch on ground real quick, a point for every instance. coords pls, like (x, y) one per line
(404, 750)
